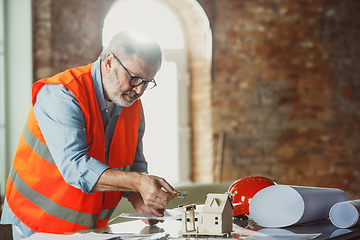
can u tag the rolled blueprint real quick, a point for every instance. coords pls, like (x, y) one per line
(345, 214)
(283, 205)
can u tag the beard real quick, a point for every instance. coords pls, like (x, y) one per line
(114, 93)
(127, 98)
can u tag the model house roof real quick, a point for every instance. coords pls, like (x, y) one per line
(216, 203)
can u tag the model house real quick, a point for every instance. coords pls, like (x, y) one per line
(216, 215)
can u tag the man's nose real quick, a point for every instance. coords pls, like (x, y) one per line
(139, 89)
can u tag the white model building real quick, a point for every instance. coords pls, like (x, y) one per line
(188, 209)
(215, 217)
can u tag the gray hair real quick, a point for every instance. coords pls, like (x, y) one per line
(126, 44)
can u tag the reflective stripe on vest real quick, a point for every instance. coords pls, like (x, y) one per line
(40, 148)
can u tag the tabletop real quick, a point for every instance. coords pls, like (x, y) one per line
(242, 229)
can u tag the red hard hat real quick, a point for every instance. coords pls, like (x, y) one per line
(243, 191)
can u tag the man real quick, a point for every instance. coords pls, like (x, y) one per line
(81, 146)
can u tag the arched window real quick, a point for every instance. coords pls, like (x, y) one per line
(167, 134)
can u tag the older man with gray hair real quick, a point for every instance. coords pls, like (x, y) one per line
(80, 151)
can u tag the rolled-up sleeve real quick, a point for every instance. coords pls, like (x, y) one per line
(62, 124)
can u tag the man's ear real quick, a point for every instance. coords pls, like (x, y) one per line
(108, 62)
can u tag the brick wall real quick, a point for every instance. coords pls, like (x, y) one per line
(66, 34)
(286, 91)
(283, 93)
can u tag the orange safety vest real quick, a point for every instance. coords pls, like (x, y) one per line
(37, 193)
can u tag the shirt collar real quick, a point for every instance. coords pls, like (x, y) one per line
(98, 87)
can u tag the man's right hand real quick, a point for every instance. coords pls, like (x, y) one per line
(155, 191)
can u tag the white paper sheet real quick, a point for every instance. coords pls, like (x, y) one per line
(77, 236)
(168, 214)
(345, 214)
(283, 205)
(98, 236)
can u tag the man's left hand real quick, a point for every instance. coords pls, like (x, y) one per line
(140, 207)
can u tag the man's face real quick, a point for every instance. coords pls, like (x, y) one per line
(116, 84)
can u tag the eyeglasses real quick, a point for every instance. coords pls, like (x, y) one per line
(137, 81)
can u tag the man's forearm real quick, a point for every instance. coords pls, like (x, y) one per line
(116, 180)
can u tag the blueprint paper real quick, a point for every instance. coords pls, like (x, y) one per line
(345, 214)
(284, 205)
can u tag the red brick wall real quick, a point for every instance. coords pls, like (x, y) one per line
(286, 90)
(66, 34)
